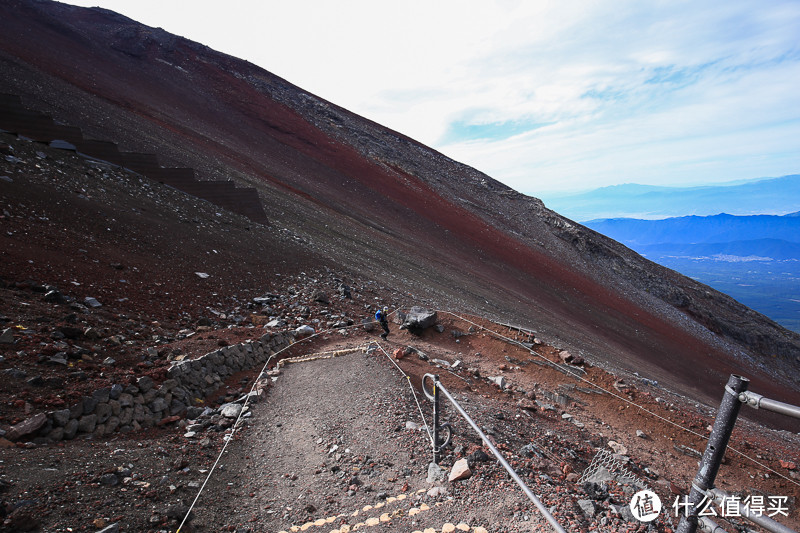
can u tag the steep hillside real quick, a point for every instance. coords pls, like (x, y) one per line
(379, 204)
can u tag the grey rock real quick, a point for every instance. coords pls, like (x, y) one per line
(102, 395)
(91, 302)
(87, 423)
(115, 392)
(109, 480)
(111, 425)
(176, 407)
(436, 474)
(601, 475)
(71, 429)
(125, 400)
(88, 405)
(419, 318)
(530, 450)
(55, 296)
(103, 412)
(61, 417)
(230, 410)
(500, 381)
(145, 383)
(158, 405)
(112, 528)
(58, 359)
(56, 435)
(7, 337)
(588, 507)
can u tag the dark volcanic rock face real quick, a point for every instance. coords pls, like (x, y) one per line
(355, 194)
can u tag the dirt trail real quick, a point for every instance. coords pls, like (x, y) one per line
(329, 440)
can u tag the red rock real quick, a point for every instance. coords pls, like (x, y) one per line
(788, 465)
(169, 420)
(399, 353)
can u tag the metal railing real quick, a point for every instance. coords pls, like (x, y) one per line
(433, 395)
(703, 490)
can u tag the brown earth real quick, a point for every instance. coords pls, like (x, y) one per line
(350, 205)
(362, 402)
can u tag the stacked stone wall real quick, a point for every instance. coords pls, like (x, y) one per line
(146, 404)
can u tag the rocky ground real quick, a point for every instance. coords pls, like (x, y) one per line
(98, 291)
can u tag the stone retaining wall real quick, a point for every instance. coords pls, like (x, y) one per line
(145, 404)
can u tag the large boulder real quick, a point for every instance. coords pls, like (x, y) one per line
(27, 427)
(419, 318)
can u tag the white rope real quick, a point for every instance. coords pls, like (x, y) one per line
(413, 392)
(236, 425)
(626, 400)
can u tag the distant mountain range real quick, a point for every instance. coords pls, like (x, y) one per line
(777, 196)
(755, 259)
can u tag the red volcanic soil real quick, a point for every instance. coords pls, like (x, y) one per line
(353, 194)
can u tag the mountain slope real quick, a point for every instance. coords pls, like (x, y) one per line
(375, 202)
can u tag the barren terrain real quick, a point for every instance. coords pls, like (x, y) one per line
(111, 279)
(329, 436)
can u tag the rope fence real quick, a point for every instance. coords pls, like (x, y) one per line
(600, 460)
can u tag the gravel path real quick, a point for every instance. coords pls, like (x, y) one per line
(330, 439)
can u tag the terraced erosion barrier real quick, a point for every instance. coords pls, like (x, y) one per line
(146, 404)
(16, 118)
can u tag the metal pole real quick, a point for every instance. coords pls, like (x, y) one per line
(436, 418)
(743, 510)
(715, 451)
(707, 525)
(545, 512)
(757, 401)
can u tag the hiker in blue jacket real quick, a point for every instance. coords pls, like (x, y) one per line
(381, 316)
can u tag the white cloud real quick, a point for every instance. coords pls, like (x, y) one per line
(611, 91)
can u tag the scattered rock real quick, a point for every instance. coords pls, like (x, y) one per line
(7, 337)
(321, 297)
(91, 302)
(436, 473)
(230, 410)
(418, 319)
(461, 470)
(27, 427)
(689, 452)
(478, 456)
(112, 528)
(617, 448)
(588, 507)
(500, 381)
(304, 331)
(437, 492)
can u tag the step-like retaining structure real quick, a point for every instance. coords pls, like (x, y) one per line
(16, 118)
(145, 404)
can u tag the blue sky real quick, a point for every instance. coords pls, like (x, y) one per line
(545, 96)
